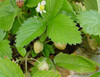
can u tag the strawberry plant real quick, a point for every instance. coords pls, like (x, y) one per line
(45, 37)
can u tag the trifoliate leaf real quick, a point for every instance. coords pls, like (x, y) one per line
(7, 16)
(30, 29)
(9, 69)
(45, 73)
(2, 34)
(91, 4)
(62, 29)
(52, 8)
(90, 22)
(32, 3)
(75, 63)
(5, 49)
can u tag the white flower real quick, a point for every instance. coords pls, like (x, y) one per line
(41, 7)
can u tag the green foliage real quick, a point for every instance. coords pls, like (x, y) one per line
(15, 26)
(5, 49)
(2, 34)
(30, 29)
(22, 51)
(57, 25)
(97, 74)
(90, 22)
(13, 2)
(45, 73)
(97, 38)
(91, 4)
(9, 69)
(62, 29)
(32, 3)
(7, 15)
(48, 50)
(52, 8)
(67, 9)
(33, 54)
(75, 63)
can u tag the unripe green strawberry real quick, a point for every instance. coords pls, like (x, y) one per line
(43, 66)
(38, 47)
(60, 46)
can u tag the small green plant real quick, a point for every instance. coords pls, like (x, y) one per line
(31, 29)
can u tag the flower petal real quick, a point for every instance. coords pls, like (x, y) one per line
(38, 9)
(44, 11)
(39, 4)
(43, 2)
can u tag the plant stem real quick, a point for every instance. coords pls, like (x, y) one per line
(33, 59)
(47, 41)
(19, 20)
(26, 58)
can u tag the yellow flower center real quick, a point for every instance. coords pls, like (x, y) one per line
(41, 7)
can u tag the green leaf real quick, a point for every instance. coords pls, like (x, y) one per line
(52, 8)
(30, 29)
(91, 4)
(33, 54)
(7, 16)
(62, 29)
(45, 73)
(97, 74)
(75, 63)
(15, 27)
(32, 3)
(2, 34)
(34, 70)
(90, 22)
(21, 50)
(5, 49)
(45, 52)
(67, 8)
(13, 2)
(9, 69)
(50, 48)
